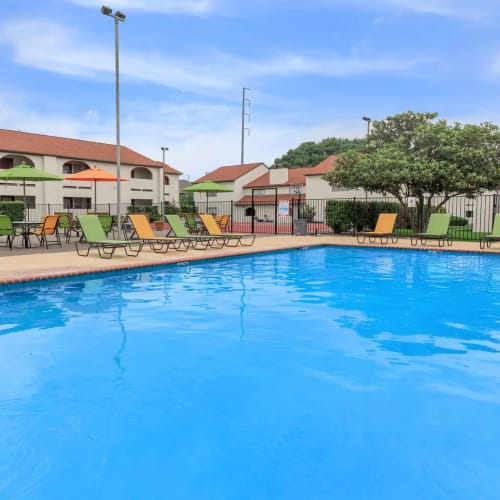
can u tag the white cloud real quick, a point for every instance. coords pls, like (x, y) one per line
(40, 47)
(469, 9)
(194, 7)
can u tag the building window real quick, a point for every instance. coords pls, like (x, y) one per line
(6, 163)
(76, 203)
(166, 180)
(141, 173)
(73, 167)
(141, 203)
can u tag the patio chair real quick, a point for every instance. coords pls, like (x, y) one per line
(437, 229)
(48, 227)
(106, 222)
(68, 225)
(198, 242)
(7, 229)
(192, 225)
(487, 239)
(142, 230)
(232, 239)
(384, 229)
(95, 237)
(224, 222)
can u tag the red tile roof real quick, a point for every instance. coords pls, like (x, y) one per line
(12, 141)
(296, 176)
(268, 198)
(228, 173)
(327, 165)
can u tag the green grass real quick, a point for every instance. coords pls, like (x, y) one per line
(456, 233)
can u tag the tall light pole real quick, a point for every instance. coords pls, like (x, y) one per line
(117, 16)
(243, 128)
(163, 149)
(368, 121)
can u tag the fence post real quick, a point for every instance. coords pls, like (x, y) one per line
(354, 217)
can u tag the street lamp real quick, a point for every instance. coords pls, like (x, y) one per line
(163, 148)
(368, 121)
(117, 16)
(297, 190)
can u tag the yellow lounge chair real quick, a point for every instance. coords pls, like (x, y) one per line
(142, 230)
(384, 230)
(231, 239)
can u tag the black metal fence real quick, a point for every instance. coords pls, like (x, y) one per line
(471, 217)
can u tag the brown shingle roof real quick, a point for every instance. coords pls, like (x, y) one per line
(228, 173)
(13, 141)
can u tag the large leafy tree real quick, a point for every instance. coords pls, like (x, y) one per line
(416, 155)
(310, 153)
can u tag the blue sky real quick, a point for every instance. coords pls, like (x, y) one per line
(315, 68)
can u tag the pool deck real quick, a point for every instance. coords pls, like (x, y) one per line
(27, 264)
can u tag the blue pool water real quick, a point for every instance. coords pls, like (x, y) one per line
(327, 373)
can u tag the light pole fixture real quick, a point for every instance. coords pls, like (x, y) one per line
(117, 16)
(368, 121)
(164, 148)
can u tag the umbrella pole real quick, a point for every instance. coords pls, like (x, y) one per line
(24, 198)
(95, 196)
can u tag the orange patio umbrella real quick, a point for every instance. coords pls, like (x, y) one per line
(95, 175)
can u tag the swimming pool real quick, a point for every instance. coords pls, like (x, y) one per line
(311, 374)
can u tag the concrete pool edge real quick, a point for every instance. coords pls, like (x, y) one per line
(39, 264)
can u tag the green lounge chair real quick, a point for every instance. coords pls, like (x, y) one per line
(232, 239)
(487, 239)
(437, 229)
(198, 242)
(142, 230)
(95, 237)
(7, 229)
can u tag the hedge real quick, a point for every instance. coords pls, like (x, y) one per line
(342, 215)
(13, 209)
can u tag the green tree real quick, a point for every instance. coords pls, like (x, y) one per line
(415, 155)
(310, 153)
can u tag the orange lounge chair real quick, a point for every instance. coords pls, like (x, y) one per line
(231, 239)
(142, 230)
(384, 230)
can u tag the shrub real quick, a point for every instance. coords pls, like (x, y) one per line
(341, 215)
(13, 209)
(150, 210)
(455, 220)
(307, 212)
(170, 209)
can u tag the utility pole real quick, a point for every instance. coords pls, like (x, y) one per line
(244, 100)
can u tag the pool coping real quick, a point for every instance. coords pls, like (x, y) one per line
(41, 264)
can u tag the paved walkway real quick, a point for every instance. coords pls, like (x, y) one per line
(25, 264)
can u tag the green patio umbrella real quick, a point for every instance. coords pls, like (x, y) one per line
(25, 173)
(207, 187)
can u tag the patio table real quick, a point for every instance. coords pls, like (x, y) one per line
(25, 227)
